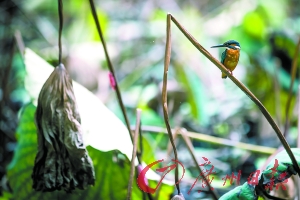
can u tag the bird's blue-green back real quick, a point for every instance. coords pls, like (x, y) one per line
(223, 56)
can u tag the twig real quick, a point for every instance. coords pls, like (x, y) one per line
(135, 141)
(190, 147)
(243, 88)
(164, 96)
(215, 140)
(169, 149)
(60, 13)
(110, 67)
(288, 103)
(139, 156)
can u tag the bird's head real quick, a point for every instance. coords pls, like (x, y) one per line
(232, 44)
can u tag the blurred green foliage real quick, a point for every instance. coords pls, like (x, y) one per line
(199, 99)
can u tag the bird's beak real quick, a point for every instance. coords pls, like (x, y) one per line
(220, 45)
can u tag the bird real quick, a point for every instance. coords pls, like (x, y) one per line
(230, 57)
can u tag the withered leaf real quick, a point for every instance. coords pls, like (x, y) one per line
(62, 161)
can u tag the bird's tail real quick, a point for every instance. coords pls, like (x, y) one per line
(224, 75)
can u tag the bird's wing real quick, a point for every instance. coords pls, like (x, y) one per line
(223, 56)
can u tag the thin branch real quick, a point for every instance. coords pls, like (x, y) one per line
(164, 96)
(139, 156)
(190, 147)
(288, 103)
(110, 67)
(135, 144)
(169, 150)
(215, 140)
(243, 88)
(60, 13)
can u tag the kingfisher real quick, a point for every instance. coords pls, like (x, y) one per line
(230, 57)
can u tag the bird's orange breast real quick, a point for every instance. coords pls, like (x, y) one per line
(231, 59)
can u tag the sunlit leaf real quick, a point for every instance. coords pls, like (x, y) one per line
(102, 129)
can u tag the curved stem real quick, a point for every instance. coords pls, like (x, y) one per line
(243, 88)
(164, 95)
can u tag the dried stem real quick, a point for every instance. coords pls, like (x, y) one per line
(164, 96)
(110, 67)
(243, 88)
(288, 103)
(135, 144)
(216, 140)
(60, 13)
(169, 149)
(190, 147)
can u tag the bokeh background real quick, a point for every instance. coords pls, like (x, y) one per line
(199, 100)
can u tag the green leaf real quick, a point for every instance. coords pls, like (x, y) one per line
(243, 192)
(285, 168)
(285, 165)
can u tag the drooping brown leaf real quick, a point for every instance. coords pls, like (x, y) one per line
(62, 161)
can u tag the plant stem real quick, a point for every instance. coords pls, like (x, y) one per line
(169, 149)
(164, 96)
(111, 69)
(190, 147)
(215, 140)
(60, 14)
(135, 144)
(243, 88)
